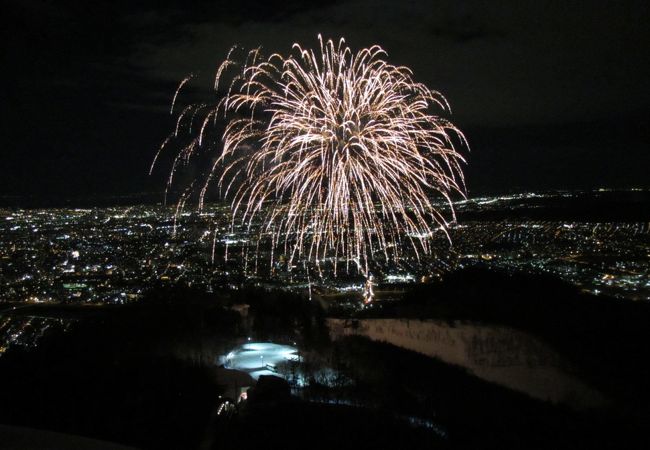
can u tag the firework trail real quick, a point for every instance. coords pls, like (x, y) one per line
(339, 155)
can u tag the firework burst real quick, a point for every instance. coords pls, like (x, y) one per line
(339, 155)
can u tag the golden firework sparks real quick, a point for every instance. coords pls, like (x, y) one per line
(338, 154)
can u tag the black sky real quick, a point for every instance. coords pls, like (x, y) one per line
(549, 94)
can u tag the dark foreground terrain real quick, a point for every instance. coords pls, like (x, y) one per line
(143, 375)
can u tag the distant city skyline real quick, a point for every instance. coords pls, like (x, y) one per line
(113, 255)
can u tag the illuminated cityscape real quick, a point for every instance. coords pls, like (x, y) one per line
(113, 255)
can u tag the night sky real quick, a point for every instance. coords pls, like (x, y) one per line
(549, 94)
